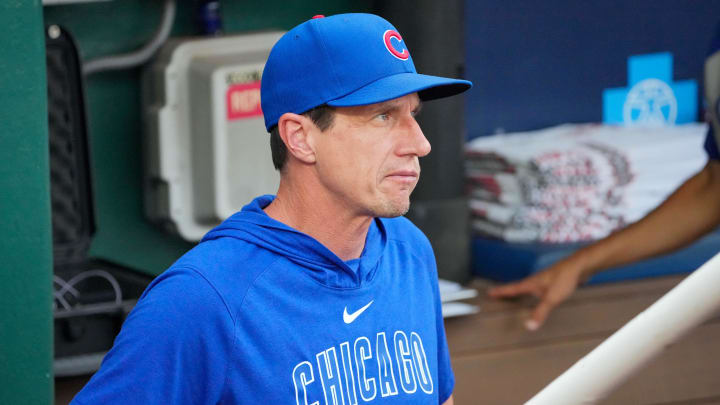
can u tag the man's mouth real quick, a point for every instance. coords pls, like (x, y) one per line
(404, 176)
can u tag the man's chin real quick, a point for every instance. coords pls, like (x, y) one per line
(392, 209)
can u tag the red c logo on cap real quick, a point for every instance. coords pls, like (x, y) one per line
(387, 38)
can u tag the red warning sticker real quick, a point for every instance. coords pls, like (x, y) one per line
(243, 101)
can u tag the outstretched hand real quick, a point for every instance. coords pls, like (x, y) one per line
(552, 286)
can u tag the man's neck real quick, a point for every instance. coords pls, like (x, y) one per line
(328, 221)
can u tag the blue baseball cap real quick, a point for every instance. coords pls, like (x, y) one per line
(344, 60)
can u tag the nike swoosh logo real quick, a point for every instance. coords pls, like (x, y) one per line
(350, 318)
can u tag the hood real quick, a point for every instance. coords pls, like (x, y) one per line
(252, 225)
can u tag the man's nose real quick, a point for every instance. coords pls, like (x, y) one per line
(414, 141)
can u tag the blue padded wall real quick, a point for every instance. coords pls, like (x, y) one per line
(536, 64)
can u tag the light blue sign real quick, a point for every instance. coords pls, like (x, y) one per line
(652, 97)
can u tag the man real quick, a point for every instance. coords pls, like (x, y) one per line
(322, 294)
(690, 212)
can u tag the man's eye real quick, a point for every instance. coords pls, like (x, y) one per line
(383, 116)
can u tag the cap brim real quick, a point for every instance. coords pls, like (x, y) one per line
(401, 84)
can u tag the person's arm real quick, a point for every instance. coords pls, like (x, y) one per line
(690, 212)
(449, 401)
(172, 349)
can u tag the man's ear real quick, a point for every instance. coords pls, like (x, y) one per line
(294, 131)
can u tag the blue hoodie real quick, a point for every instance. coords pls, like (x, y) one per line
(261, 313)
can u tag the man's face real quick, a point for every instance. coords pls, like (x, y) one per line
(368, 159)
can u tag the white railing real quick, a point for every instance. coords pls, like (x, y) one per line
(595, 376)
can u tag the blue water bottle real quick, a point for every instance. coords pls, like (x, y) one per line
(208, 17)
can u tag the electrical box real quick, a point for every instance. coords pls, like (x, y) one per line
(207, 152)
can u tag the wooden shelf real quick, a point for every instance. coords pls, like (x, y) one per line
(496, 361)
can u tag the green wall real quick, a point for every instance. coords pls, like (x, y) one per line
(113, 99)
(26, 247)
